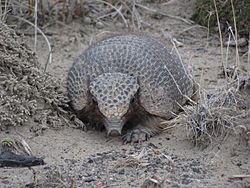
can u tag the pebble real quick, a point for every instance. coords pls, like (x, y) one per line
(87, 20)
(88, 179)
(99, 25)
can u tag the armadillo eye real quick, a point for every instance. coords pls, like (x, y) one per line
(133, 100)
(94, 100)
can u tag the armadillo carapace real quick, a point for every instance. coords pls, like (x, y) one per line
(128, 83)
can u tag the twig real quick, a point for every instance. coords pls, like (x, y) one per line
(164, 14)
(169, 2)
(248, 57)
(227, 52)
(237, 61)
(118, 11)
(191, 27)
(4, 12)
(35, 15)
(221, 42)
(106, 15)
(239, 176)
(208, 27)
(179, 56)
(49, 61)
(137, 16)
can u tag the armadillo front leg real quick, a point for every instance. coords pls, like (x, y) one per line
(137, 134)
(144, 130)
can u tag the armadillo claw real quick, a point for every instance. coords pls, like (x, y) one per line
(137, 135)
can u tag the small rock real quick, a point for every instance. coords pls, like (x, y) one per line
(152, 145)
(241, 42)
(87, 20)
(119, 25)
(30, 185)
(239, 164)
(99, 25)
(90, 161)
(88, 179)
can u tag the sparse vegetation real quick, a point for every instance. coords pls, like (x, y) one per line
(223, 110)
(205, 14)
(7, 142)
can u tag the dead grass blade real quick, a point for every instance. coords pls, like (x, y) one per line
(49, 61)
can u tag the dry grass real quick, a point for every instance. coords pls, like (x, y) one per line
(46, 12)
(219, 113)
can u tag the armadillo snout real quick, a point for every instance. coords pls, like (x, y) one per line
(114, 133)
(113, 127)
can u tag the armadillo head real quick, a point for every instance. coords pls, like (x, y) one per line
(113, 93)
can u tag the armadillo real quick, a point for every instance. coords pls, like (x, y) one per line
(129, 84)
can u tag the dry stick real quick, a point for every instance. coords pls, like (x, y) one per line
(112, 14)
(1, 11)
(109, 14)
(237, 61)
(129, 10)
(137, 16)
(239, 176)
(248, 58)
(221, 42)
(134, 16)
(46, 39)
(119, 12)
(5, 12)
(227, 52)
(169, 2)
(179, 56)
(35, 15)
(164, 14)
(208, 26)
(191, 27)
(237, 54)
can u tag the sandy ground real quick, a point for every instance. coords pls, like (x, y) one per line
(88, 159)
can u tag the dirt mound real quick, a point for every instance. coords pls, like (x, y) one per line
(25, 91)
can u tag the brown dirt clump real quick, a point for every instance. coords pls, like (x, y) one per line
(25, 91)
